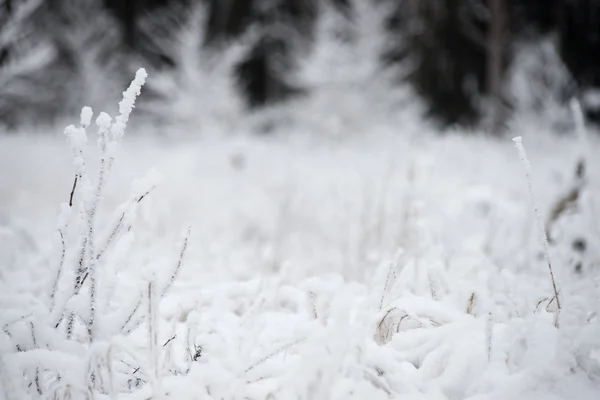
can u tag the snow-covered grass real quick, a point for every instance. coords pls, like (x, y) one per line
(383, 265)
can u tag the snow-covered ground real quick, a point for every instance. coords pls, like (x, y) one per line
(393, 264)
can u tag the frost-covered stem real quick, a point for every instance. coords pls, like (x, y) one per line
(179, 263)
(164, 291)
(119, 225)
(313, 301)
(386, 285)
(540, 226)
(86, 267)
(72, 194)
(92, 275)
(61, 264)
(82, 270)
(131, 314)
(433, 286)
(77, 138)
(37, 369)
(103, 121)
(390, 276)
(273, 354)
(489, 335)
(153, 338)
(110, 369)
(128, 103)
(69, 328)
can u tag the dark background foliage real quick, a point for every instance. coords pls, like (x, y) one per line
(461, 49)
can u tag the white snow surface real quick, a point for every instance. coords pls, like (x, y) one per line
(384, 265)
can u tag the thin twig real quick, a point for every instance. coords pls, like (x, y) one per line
(169, 283)
(179, 263)
(117, 228)
(388, 278)
(273, 354)
(37, 369)
(540, 225)
(132, 313)
(471, 304)
(153, 338)
(168, 341)
(59, 270)
(73, 191)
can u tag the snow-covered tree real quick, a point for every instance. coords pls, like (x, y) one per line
(343, 71)
(55, 56)
(198, 92)
(88, 39)
(24, 56)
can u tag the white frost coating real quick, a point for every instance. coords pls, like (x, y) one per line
(77, 136)
(86, 116)
(141, 186)
(104, 121)
(540, 225)
(153, 332)
(527, 165)
(126, 105)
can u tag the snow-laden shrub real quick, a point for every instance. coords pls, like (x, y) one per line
(65, 336)
(199, 92)
(540, 84)
(344, 75)
(54, 57)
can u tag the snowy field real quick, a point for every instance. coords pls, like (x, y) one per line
(393, 263)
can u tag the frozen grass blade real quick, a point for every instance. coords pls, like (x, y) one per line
(177, 268)
(153, 339)
(540, 226)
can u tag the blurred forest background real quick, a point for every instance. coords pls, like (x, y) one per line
(471, 63)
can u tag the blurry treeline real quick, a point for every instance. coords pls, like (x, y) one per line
(467, 60)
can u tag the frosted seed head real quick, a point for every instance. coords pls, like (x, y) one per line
(77, 136)
(86, 116)
(103, 121)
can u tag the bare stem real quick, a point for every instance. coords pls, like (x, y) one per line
(179, 263)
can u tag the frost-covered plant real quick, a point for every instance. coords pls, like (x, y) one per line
(541, 228)
(68, 338)
(199, 92)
